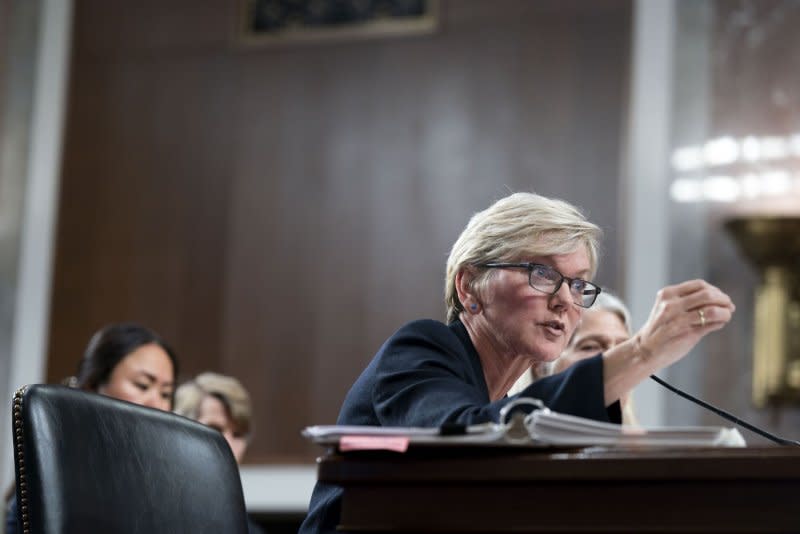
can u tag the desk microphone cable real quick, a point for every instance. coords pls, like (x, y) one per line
(730, 417)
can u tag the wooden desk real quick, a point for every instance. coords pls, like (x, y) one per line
(489, 490)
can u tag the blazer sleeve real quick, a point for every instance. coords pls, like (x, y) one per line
(580, 390)
(426, 377)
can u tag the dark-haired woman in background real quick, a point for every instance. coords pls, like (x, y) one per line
(129, 362)
(126, 361)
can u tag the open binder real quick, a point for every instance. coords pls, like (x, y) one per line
(539, 428)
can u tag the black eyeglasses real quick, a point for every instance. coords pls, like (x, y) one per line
(547, 280)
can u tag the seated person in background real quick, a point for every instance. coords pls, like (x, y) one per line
(518, 278)
(606, 324)
(222, 403)
(126, 361)
(603, 326)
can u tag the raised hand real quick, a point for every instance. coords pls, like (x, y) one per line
(681, 316)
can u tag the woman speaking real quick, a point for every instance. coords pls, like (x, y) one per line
(518, 279)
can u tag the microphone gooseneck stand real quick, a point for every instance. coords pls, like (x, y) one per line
(730, 417)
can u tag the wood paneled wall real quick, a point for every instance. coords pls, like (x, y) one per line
(276, 213)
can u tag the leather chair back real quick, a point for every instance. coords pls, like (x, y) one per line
(89, 463)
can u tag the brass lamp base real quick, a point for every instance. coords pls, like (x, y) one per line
(773, 245)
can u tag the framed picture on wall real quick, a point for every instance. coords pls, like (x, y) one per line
(278, 22)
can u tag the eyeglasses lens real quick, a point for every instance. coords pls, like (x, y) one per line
(547, 279)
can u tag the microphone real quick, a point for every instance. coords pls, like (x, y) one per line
(730, 417)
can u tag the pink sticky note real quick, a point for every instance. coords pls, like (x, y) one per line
(373, 443)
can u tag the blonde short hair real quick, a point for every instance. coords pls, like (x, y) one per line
(189, 396)
(608, 301)
(518, 226)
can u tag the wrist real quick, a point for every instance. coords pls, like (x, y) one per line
(640, 350)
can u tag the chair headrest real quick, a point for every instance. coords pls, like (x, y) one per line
(89, 463)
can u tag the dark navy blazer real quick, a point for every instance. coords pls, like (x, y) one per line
(429, 373)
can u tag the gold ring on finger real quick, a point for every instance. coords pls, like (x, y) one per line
(702, 317)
